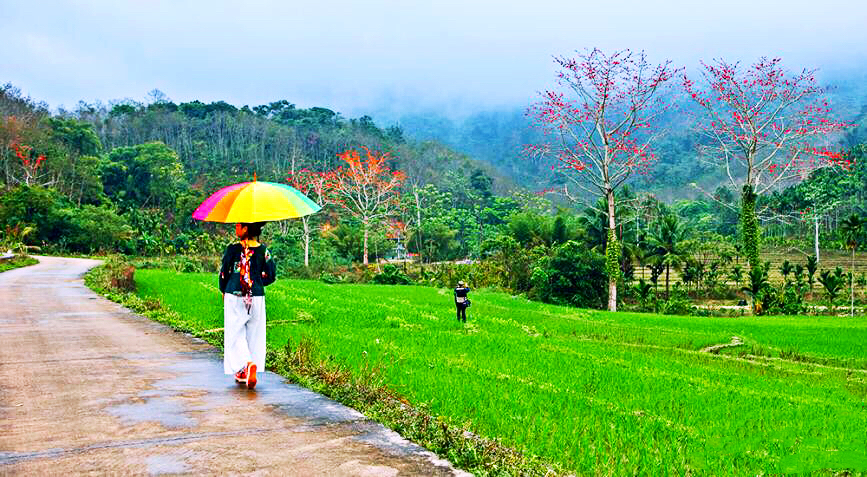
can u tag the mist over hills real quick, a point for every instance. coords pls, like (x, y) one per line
(498, 136)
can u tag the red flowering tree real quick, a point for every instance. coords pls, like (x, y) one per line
(765, 127)
(598, 127)
(366, 188)
(317, 186)
(27, 165)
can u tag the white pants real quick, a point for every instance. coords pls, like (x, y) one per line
(243, 333)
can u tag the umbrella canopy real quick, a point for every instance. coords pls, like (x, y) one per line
(255, 202)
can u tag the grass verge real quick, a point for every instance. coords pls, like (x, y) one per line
(17, 262)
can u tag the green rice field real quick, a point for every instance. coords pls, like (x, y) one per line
(599, 393)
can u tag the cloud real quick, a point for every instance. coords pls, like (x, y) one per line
(362, 56)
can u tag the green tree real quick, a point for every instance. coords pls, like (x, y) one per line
(812, 266)
(667, 240)
(530, 228)
(785, 270)
(644, 291)
(440, 241)
(853, 229)
(799, 276)
(559, 233)
(833, 284)
(144, 175)
(758, 282)
(31, 206)
(482, 184)
(78, 137)
(572, 275)
(736, 275)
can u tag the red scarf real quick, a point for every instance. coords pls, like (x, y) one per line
(246, 280)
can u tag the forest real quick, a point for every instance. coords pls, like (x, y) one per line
(480, 199)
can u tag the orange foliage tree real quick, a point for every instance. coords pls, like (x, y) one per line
(366, 187)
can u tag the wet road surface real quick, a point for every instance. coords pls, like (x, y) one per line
(87, 387)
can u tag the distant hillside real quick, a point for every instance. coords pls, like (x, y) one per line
(217, 140)
(498, 137)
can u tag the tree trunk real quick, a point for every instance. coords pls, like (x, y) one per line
(612, 277)
(365, 242)
(816, 238)
(666, 282)
(750, 226)
(306, 223)
(419, 240)
(852, 285)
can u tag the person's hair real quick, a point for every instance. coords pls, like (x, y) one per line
(253, 229)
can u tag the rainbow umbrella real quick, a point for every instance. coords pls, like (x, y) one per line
(255, 202)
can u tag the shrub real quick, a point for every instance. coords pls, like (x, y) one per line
(187, 264)
(123, 278)
(787, 301)
(92, 228)
(35, 207)
(53, 219)
(391, 275)
(573, 275)
(330, 278)
(115, 275)
(678, 302)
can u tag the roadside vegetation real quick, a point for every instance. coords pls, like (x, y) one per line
(17, 261)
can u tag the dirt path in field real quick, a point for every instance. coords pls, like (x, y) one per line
(715, 349)
(89, 387)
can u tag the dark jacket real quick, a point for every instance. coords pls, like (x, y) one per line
(263, 271)
(461, 295)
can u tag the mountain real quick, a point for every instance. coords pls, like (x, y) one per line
(498, 137)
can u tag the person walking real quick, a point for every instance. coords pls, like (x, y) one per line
(462, 302)
(247, 268)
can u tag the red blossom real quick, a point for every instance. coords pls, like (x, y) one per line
(764, 119)
(598, 118)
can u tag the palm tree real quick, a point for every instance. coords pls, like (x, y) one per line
(690, 274)
(799, 275)
(785, 270)
(758, 281)
(852, 228)
(594, 222)
(736, 274)
(644, 292)
(833, 284)
(812, 266)
(666, 240)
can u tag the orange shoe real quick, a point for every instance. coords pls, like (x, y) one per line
(241, 376)
(251, 375)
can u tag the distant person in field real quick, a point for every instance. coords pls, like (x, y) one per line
(461, 300)
(246, 270)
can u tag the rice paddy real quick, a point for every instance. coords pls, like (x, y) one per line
(600, 393)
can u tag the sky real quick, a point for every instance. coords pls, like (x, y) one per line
(389, 57)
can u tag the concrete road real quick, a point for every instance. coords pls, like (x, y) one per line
(88, 387)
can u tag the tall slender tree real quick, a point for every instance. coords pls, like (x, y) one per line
(366, 187)
(317, 186)
(667, 242)
(853, 230)
(765, 127)
(598, 130)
